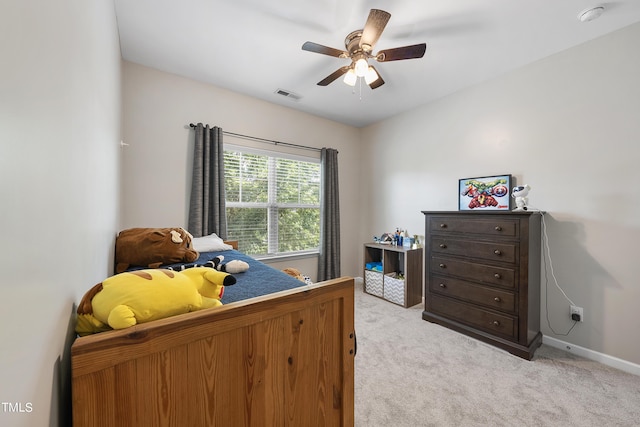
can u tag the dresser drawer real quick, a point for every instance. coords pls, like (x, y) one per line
(489, 274)
(495, 298)
(486, 320)
(493, 251)
(494, 226)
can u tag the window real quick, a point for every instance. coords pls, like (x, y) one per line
(273, 201)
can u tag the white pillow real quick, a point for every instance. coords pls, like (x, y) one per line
(210, 243)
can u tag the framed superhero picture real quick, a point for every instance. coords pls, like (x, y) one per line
(486, 193)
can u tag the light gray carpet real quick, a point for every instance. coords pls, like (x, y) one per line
(409, 372)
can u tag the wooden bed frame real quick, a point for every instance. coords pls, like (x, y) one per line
(285, 359)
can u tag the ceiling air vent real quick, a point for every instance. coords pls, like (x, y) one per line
(288, 94)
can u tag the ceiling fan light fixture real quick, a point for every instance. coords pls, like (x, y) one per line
(350, 78)
(371, 76)
(361, 67)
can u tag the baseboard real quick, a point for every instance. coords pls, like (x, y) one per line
(605, 359)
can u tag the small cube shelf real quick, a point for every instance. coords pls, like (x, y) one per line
(393, 273)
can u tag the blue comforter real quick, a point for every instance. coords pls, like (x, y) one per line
(260, 279)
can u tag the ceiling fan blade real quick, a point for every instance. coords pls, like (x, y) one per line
(376, 22)
(318, 48)
(333, 76)
(378, 82)
(398, 53)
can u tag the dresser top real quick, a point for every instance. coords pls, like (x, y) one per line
(483, 212)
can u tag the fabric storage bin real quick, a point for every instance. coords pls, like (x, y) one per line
(393, 289)
(373, 283)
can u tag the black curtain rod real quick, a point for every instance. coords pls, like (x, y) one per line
(269, 141)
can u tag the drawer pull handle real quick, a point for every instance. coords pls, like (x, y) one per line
(498, 228)
(443, 246)
(497, 252)
(442, 285)
(497, 276)
(497, 299)
(443, 225)
(495, 323)
(443, 266)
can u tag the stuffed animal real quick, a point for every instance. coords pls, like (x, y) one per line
(520, 193)
(153, 247)
(294, 272)
(233, 266)
(126, 299)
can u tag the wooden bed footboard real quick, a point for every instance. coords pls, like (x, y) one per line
(285, 359)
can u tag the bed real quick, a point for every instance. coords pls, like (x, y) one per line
(281, 355)
(260, 279)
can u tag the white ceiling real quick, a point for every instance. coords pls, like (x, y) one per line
(253, 47)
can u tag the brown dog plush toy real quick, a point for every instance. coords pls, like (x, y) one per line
(153, 247)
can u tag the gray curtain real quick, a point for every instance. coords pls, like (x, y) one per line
(329, 262)
(207, 207)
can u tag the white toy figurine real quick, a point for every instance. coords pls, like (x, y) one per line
(520, 194)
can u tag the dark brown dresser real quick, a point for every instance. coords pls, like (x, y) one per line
(482, 276)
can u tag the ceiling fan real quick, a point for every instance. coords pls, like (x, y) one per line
(359, 45)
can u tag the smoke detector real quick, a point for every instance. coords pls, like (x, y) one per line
(590, 14)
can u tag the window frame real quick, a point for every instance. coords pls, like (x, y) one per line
(271, 205)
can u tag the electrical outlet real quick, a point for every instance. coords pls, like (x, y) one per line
(577, 313)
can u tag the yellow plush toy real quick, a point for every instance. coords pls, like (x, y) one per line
(141, 296)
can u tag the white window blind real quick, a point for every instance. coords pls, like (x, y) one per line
(273, 201)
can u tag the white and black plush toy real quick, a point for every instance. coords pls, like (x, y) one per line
(232, 267)
(520, 193)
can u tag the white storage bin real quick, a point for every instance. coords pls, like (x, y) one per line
(393, 289)
(373, 283)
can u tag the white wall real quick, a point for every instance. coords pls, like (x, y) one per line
(59, 167)
(567, 125)
(158, 108)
